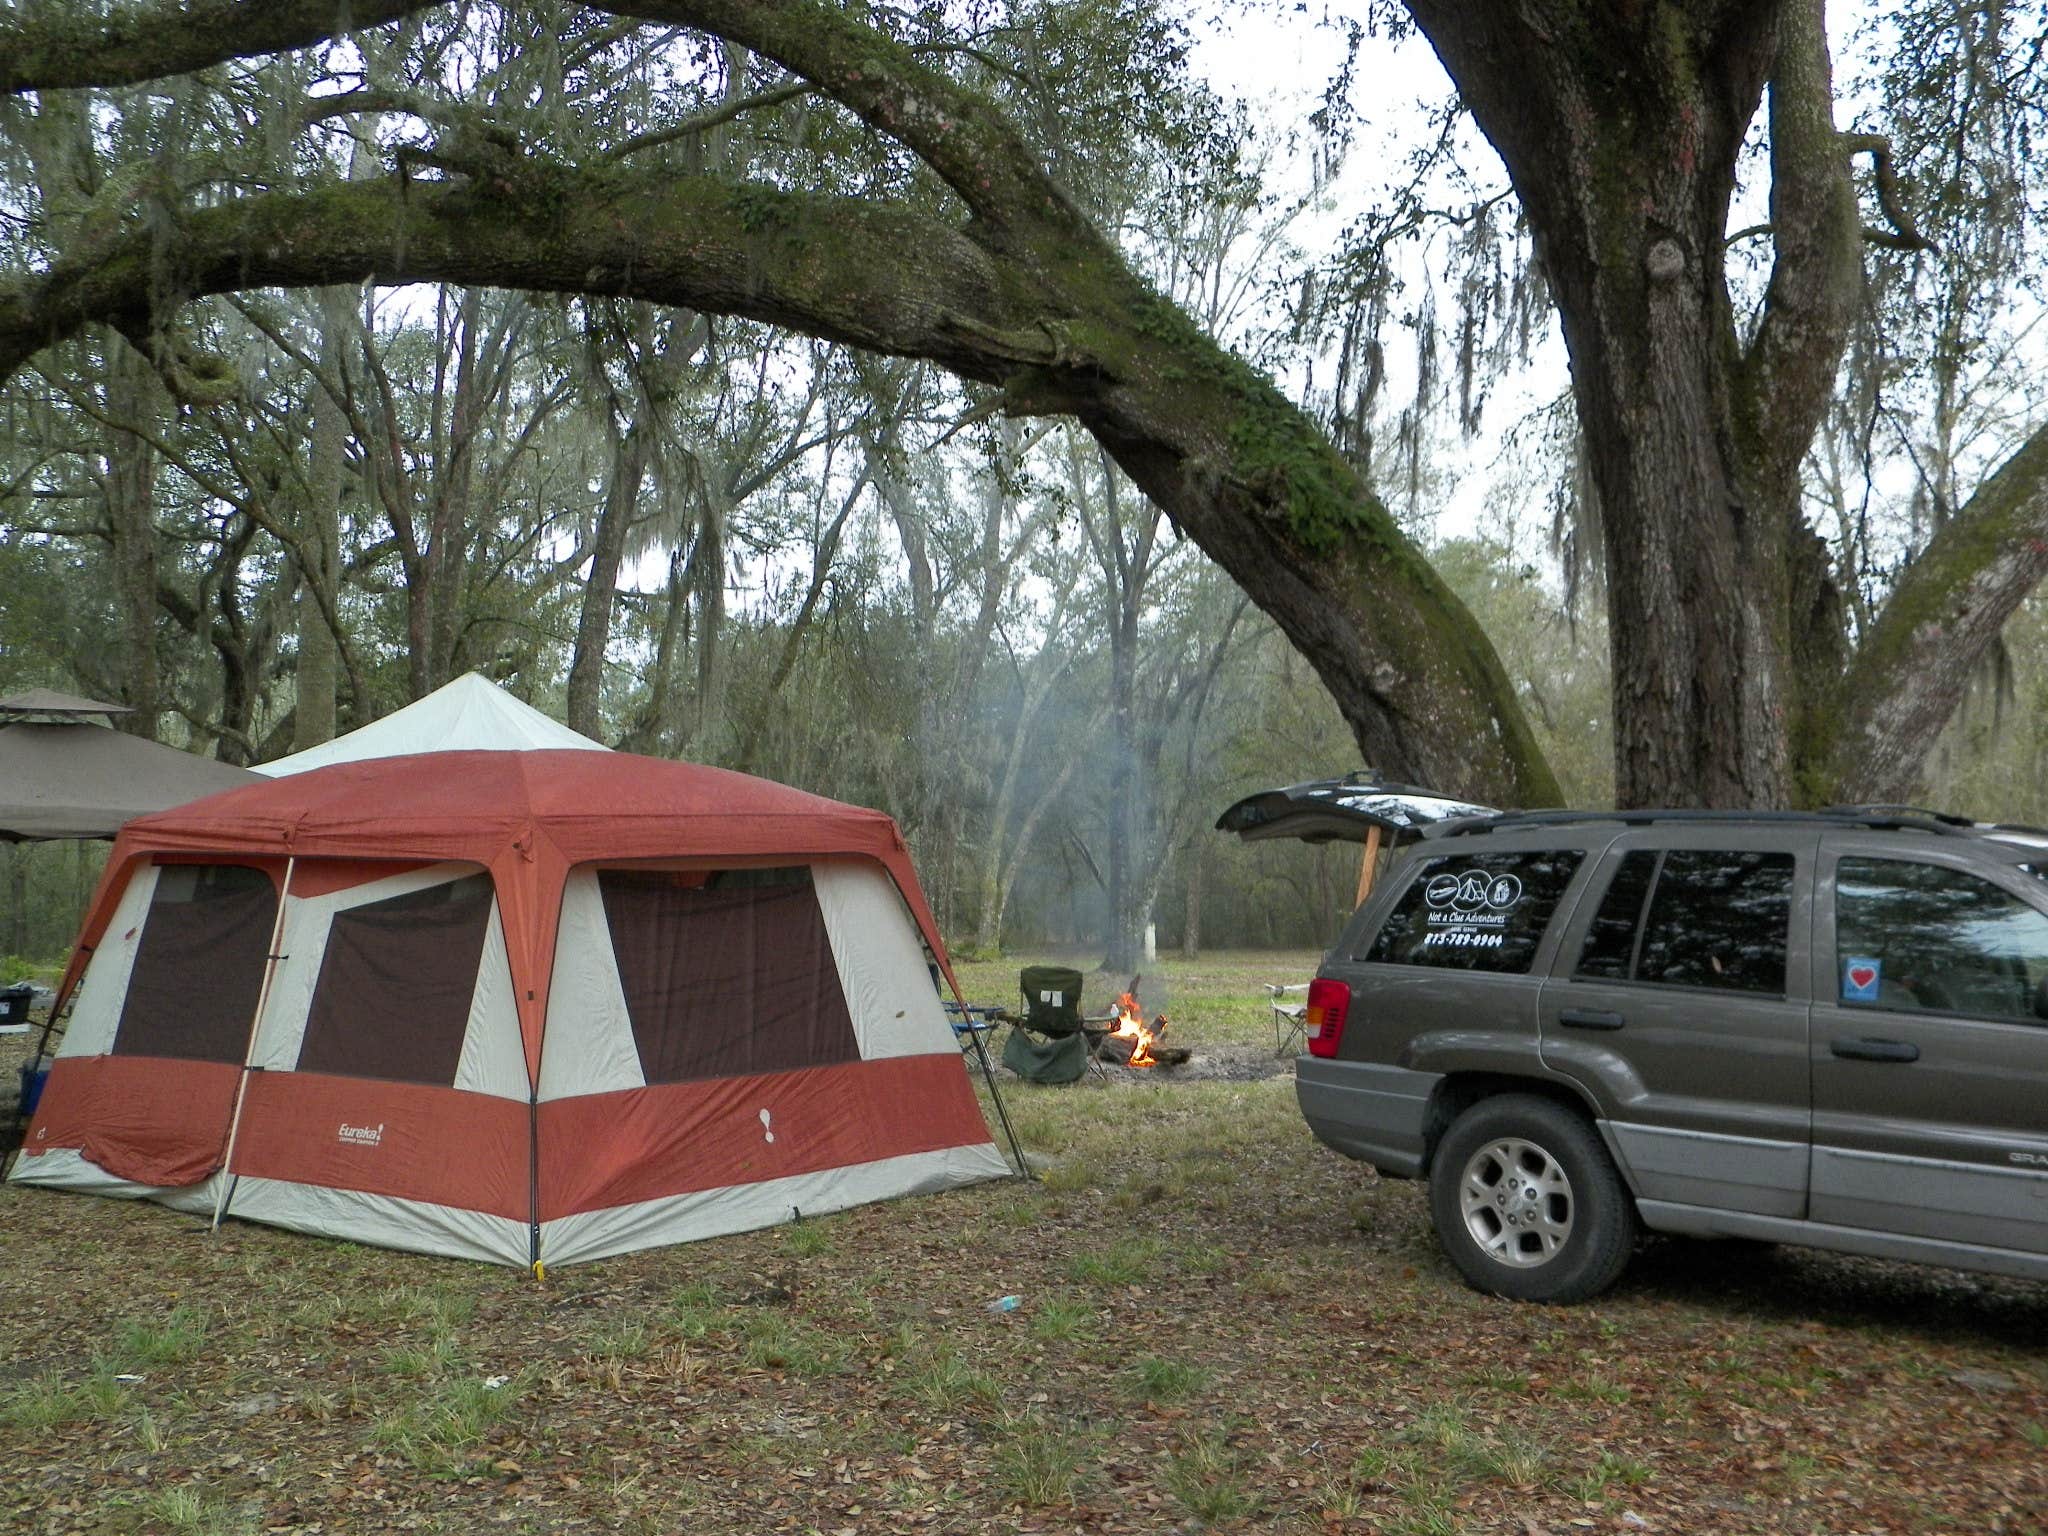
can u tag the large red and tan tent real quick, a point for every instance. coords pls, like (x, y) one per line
(519, 1006)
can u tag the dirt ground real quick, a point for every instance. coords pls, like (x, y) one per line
(1192, 1319)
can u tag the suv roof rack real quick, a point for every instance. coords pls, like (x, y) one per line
(1885, 817)
(1910, 813)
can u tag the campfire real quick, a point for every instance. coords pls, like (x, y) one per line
(1132, 1028)
(1141, 1039)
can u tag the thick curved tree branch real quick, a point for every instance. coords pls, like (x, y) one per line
(1933, 633)
(843, 269)
(954, 130)
(50, 47)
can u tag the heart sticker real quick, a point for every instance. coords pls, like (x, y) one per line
(1862, 975)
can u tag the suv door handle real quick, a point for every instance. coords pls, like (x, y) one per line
(1590, 1018)
(1875, 1050)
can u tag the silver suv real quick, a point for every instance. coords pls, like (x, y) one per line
(1828, 1029)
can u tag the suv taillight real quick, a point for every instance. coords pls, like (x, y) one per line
(1329, 1004)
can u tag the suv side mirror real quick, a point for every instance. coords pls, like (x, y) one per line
(2041, 998)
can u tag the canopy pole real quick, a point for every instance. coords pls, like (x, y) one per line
(988, 1075)
(270, 959)
(57, 1005)
(1368, 866)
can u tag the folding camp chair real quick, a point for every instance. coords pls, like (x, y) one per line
(1050, 1042)
(1290, 1019)
(971, 1022)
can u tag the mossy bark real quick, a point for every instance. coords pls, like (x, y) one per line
(1916, 662)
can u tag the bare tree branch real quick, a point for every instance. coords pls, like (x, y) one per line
(1904, 235)
(704, 122)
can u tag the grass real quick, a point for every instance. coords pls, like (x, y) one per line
(780, 1343)
(191, 1512)
(940, 1379)
(1064, 1317)
(806, 1239)
(1123, 1263)
(1039, 1463)
(1208, 1478)
(139, 1346)
(1223, 1327)
(1605, 1476)
(439, 1431)
(47, 1401)
(1157, 1380)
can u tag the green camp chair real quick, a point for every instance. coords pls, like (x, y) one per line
(1050, 1041)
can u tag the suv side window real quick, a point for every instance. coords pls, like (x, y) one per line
(1476, 912)
(1713, 918)
(1923, 938)
(1719, 920)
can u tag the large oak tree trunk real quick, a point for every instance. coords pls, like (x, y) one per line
(1619, 131)
(1734, 680)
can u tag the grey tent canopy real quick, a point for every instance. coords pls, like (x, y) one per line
(73, 779)
(48, 703)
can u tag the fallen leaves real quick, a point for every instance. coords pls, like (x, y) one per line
(1333, 1372)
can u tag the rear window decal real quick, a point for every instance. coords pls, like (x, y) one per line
(1469, 909)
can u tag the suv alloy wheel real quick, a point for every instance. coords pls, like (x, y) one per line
(1527, 1202)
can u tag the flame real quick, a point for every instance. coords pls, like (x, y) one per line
(1131, 1025)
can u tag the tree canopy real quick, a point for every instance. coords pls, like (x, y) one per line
(712, 271)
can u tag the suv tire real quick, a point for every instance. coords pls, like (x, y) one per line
(1528, 1204)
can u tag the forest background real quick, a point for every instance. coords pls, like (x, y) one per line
(773, 491)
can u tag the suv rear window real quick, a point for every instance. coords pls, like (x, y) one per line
(1478, 912)
(1714, 918)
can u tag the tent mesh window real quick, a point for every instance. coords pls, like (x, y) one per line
(728, 976)
(396, 983)
(199, 968)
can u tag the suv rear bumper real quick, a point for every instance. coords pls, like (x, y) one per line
(1365, 1110)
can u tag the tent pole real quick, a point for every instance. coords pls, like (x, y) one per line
(533, 1184)
(270, 959)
